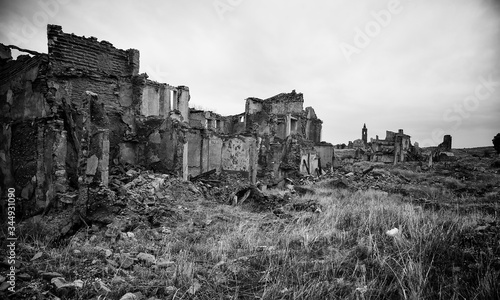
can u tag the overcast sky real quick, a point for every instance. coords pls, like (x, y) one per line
(430, 67)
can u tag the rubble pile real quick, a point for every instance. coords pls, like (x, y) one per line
(377, 178)
(220, 187)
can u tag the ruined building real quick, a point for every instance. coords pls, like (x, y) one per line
(68, 115)
(276, 137)
(289, 135)
(394, 148)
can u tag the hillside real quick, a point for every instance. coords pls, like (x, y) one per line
(371, 232)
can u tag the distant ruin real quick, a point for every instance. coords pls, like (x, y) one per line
(69, 115)
(395, 148)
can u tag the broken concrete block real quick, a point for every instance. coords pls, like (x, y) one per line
(147, 258)
(92, 164)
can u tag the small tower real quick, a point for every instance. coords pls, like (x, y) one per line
(364, 134)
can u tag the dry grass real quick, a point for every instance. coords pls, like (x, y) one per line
(340, 253)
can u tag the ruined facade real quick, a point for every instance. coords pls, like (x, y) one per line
(394, 148)
(273, 138)
(289, 135)
(69, 115)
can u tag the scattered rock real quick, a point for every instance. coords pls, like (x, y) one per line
(24, 276)
(5, 285)
(129, 296)
(113, 263)
(147, 258)
(100, 286)
(126, 261)
(482, 228)
(194, 287)
(37, 256)
(163, 263)
(339, 183)
(132, 173)
(311, 206)
(62, 286)
(50, 275)
(108, 253)
(117, 280)
(380, 172)
(301, 190)
(280, 213)
(368, 170)
(78, 283)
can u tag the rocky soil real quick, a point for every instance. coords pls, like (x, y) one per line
(135, 225)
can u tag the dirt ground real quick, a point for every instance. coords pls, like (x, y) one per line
(146, 223)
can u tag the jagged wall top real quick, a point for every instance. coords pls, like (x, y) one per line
(76, 55)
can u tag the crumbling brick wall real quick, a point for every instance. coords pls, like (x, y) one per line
(28, 127)
(75, 55)
(288, 134)
(84, 105)
(66, 116)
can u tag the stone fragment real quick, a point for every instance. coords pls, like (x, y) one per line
(100, 286)
(5, 285)
(63, 287)
(92, 164)
(129, 296)
(147, 258)
(78, 283)
(24, 276)
(126, 261)
(50, 275)
(163, 263)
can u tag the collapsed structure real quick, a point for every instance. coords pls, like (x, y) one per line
(396, 147)
(68, 115)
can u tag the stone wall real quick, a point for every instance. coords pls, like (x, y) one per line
(76, 55)
(84, 105)
(70, 115)
(326, 155)
(239, 155)
(32, 142)
(288, 134)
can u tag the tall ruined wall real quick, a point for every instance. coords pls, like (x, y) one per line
(137, 108)
(32, 142)
(22, 88)
(204, 151)
(71, 54)
(326, 154)
(278, 121)
(240, 155)
(286, 103)
(66, 115)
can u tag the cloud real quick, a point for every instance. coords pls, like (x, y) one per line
(428, 58)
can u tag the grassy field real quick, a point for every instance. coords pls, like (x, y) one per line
(340, 251)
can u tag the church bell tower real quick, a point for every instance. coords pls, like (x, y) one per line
(364, 134)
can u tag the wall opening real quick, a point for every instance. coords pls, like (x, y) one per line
(293, 125)
(171, 99)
